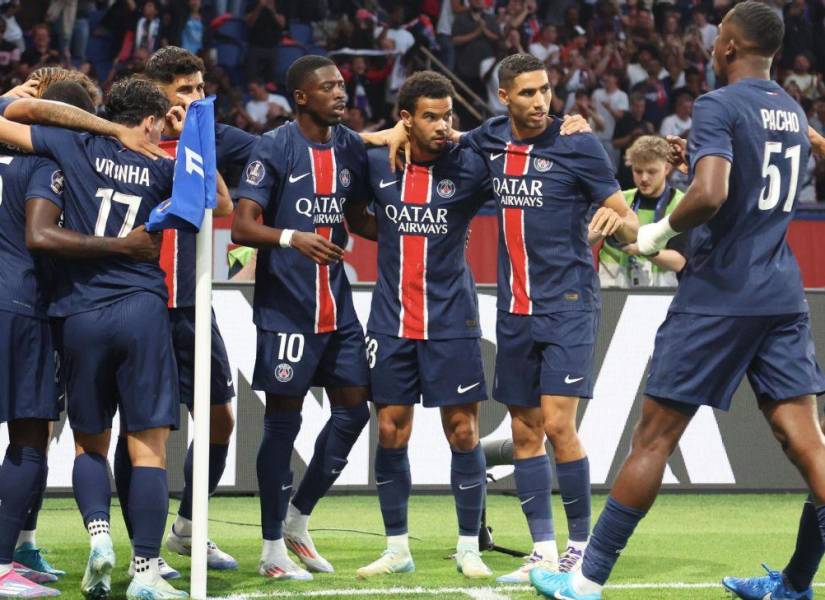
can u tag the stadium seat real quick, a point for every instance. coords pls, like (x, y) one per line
(301, 33)
(233, 29)
(286, 56)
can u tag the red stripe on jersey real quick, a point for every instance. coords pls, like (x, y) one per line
(513, 219)
(516, 159)
(323, 170)
(169, 245)
(325, 309)
(416, 188)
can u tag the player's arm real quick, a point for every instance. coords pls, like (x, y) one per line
(248, 230)
(16, 134)
(614, 218)
(45, 236)
(225, 206)
(817, 142)
(58, 114)
(361, 221)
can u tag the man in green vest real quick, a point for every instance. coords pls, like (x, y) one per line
(652, 198)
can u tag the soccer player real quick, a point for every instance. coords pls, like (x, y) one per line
(548, 296)
(300, 180)
(740, 307)
(115, 338)
(425, 314)
(179, 75)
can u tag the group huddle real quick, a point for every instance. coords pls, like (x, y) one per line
(85, 281)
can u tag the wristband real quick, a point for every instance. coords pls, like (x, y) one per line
(286, 238)
(655, 236)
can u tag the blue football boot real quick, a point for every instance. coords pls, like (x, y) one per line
(769, 587)
(558, 585)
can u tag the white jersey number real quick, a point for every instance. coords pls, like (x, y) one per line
(769, 197)
(107, 196)
(291, 347)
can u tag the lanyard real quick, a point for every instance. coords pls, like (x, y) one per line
(661, 204)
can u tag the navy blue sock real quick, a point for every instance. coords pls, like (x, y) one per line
(613, 529)
(123, 480)
(332, 447)
(92, 490)
(534, 485)
(20, 478)
(274, 474)
(809, 550)
(468, 478)
(30, 523)
(217, 464)
(148, 506)
(574, 485)
(394, 483)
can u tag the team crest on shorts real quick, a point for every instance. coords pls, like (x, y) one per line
(57, 182)
(284, 372)
(254, 173)
(445, 188)
(542, 165)
(345, 177)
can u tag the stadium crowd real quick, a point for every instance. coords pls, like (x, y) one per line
(630, 67)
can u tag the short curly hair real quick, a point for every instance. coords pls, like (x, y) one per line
(423, 84)
(171, 62)
(648, 149)
(133, 99)
(46, 76)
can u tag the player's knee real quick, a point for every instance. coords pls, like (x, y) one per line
(528, 438)
(392, 435)
(463, 436)
(352, 419)
(148, 448)
(560, 433)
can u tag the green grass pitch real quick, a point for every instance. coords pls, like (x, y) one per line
(691, 539)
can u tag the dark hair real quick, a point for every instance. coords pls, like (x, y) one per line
(423, 84)
(168, 63)
(516, 64)
(133, 99)
(70, 92)
(760, 25)
(302, 68)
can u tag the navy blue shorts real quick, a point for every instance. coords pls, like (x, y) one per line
(288, 364)
(440, 372)
(121, 356)
(28, 383)
(701, 359)
(222, 390)
(548, 355)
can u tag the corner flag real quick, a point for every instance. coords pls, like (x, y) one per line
(195, 173)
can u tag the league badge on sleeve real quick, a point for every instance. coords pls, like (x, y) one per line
(57, 182)
(254, 173)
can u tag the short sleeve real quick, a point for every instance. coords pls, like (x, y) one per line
(472, 139)
(621, 102)
(46, 181)
(233, 146)
(4, 102)
(54, 142)
(260, 177)
(594, 168)
(711, 133)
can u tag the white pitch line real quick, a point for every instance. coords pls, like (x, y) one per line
(477, 593)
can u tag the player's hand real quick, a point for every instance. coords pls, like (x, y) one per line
(398, 138)
(630, 249)
(605, 222)
(654, 237)
(316, 248)
(27, 89)
(678, 153)
(571, 124)
(174, 120)
(134, 139)
(143, 246)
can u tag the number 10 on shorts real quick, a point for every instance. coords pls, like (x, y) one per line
(291, 346)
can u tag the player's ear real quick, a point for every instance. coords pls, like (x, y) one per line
(503, 97)
(406, 117)
(300, 97)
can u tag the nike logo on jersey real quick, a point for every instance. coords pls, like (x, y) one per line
(228, 383)
(569, 380)
(461, 486)
(299, 178)
(285, 487)
(383, 482)
(495, 156)
(382, 184)
(336, 471)
(461, 389)
(523, 502)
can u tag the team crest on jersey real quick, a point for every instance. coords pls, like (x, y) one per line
(58, 182)
(345, 177)
(284, 372)
(445, 188)
(254, 173)
(542, 165)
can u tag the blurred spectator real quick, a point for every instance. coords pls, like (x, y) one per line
(13, 33)
(545, 48)
(707, 31)
(9, 53)
(629, 128)
(817, 119)
(581, 106)
(798, 33)
(679, 123)
(191, 36)
(62, 13)
(444, 30)
(147, 33)
(40, 53)
(475, 37)
(809, 85)
(394, 37)
(611, 103)
(637, 71)
(655, 93)
(365, 86)
(264, 105)
(264, 26)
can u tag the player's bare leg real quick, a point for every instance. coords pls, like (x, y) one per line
(468, 479)
(573, 473)
(393, 480)
(349, 416)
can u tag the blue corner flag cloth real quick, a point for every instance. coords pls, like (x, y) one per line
(195, 173)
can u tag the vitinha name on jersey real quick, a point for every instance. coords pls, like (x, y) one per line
(421, 220)
(518, 192)
(323, 210)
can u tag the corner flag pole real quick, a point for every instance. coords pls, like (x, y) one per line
(200, 451)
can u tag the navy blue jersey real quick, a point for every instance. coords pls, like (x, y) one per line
(109, 190)
(23, 178)
(740, 262)
(233, 147)
(545, 188)
(425, 289)
(4, 102)
(304, 186)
